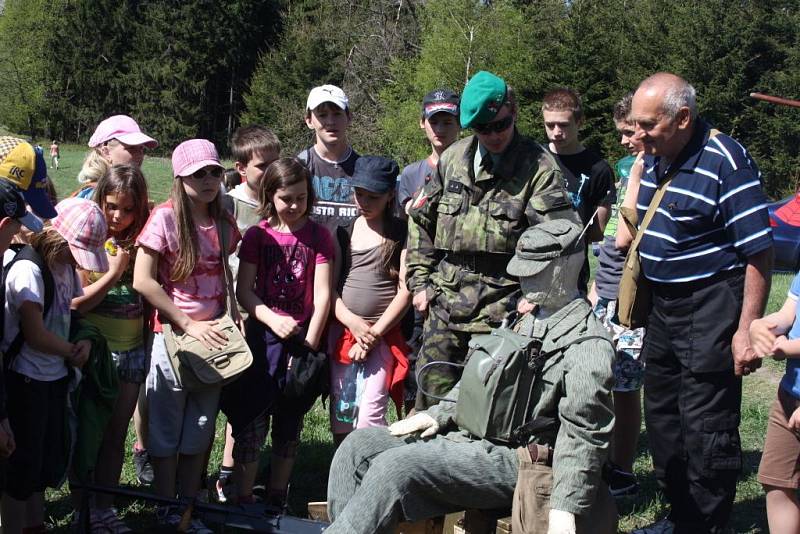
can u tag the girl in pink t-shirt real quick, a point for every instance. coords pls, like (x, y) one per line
(179, 271)
(284, 284)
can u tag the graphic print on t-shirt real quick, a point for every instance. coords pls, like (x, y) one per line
(331, 181)
(576, 196)
(335, 197)
(285, 277)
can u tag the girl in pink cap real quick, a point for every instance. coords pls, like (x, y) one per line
(37, 351)
(179, 271)
(110, 303)
(118, 140)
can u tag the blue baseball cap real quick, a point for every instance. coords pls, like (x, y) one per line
(375, 173)
(36, 195)
(12, 205)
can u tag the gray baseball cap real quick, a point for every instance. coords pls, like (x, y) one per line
(541, 244)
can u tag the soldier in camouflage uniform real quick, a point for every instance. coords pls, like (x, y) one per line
(464, 224)
(426, 465)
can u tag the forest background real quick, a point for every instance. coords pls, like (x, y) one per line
(200, 68)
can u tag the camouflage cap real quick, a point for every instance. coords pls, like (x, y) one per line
(541, 244)
(483, 97)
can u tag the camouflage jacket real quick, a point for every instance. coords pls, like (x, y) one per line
(460, 213)
(573, 390)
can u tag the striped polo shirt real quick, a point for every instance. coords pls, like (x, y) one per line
(713, 214)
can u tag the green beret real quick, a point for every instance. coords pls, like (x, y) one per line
(483, 97)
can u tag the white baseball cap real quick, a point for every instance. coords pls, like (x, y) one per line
(327, 93)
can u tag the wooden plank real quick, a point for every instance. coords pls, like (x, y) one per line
(503, 526)
(318, 511)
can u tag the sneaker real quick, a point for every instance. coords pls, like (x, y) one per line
(223, 489)
(168, 516)
(144, 469)
(664, 526)
(96, 526)
(107, 521)
(622, 483)
(260, 491)
(198, 527)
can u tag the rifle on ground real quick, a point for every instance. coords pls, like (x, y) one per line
(257, 517)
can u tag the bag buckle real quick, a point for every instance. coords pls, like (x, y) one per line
(222, 361)
(535, 357)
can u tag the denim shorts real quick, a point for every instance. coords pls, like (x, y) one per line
(628, 366)
(132, 365)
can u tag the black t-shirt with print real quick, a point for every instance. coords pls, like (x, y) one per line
(589, 181)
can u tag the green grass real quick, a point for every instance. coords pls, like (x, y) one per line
(310, 475)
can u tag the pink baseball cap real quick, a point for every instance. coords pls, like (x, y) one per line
(82, 223)
(192, 155)
(122, 128)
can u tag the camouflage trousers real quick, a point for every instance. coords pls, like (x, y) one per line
(439, 344)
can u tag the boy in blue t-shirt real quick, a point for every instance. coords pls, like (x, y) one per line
(778, 335)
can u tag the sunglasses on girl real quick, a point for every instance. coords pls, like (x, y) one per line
(495, 126)
(215, 172)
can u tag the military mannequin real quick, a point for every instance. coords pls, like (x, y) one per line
(464, 224)
(426, 465)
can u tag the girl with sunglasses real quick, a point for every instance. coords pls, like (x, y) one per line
(179, 271)
(117, 140)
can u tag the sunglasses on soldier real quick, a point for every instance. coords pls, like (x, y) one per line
(494, 126)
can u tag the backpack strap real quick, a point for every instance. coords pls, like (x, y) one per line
(523, 432)
(26, 252)
(227, 277)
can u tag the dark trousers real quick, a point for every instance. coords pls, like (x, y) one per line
(692, 399)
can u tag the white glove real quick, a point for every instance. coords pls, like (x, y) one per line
(560, 522)
(416, 423)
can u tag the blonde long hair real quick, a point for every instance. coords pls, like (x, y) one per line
(187, 230)
(94, 167)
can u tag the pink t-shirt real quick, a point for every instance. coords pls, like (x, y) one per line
(286, 265)
(201, 296)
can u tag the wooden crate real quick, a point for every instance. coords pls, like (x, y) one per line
(319, 512)
(503, 526)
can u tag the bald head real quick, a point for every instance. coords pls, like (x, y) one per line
(663, 111)
(673, 91)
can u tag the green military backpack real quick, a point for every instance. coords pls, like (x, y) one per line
(496, 395)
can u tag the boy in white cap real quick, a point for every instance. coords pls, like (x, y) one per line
(331, 159)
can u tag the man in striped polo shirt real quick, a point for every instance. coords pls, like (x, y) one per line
(707, 254)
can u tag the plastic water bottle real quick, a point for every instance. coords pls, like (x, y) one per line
(347, 406)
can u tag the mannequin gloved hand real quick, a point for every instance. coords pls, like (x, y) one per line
(560, 522)
(416, 423)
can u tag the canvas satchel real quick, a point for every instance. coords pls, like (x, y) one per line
(635, 294)
(197, 367)
(635, 298)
